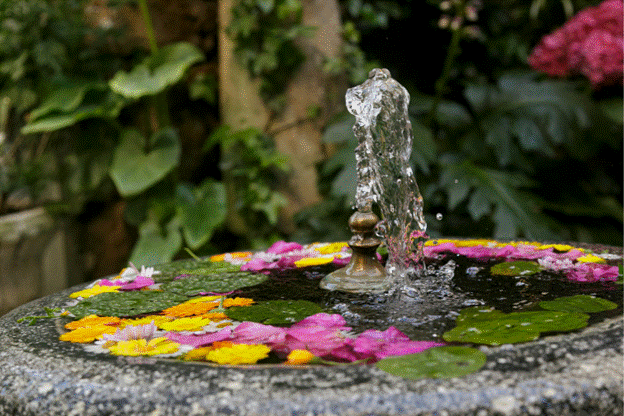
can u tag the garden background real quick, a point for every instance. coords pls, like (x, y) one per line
(149, 128)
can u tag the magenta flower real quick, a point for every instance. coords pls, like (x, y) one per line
(200, 340)
(376, 344)
(257, 265)
(590, 43)
(592, 272)
(255, 333)
(139, 282)
(132, 332)
(281, 247)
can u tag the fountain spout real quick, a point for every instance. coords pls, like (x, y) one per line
(385, 178)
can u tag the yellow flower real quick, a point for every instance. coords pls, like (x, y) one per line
(138, 347)
(195, 323)
(590, 258)
(95, 290)
(87, 334)
(298, 357)
(558, 247)
(203, 299)
(235, 255)
(313, 261)
(197, 354)
(157, 319)
(93, 320)
(331, 248)
(237, 302)
(238, 354)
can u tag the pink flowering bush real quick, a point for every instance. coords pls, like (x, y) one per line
(590, 43)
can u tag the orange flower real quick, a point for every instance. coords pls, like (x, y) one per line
(87, 334)
(237, 302)
(94, 320)
(197, 354)
(298, 357)
(190, 309)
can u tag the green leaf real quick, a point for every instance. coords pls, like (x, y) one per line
(477, 314)
(274, 312)
(155, 245)
(138, 165)
(515, 327)
(129, 303)
(213, 282)
(578, 303)
(202, 210)
(515, 268)
(436, 362)
(157, 72)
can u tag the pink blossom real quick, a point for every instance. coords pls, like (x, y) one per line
(200, 340)
(590, 43)
(139, 282)
(132, 332)
(376, 344)
(255, 333)
(592, 272)
(320, 334)
(258, 265)
(281, 247)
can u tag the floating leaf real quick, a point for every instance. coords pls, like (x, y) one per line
(126, 303)
(213, 283)
(516, 268)
(139, 163)
(437, 362)
(477, 313)
(578, 303)
(274, 312)
(515, 327)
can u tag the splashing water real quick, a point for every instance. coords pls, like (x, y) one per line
(384, 174)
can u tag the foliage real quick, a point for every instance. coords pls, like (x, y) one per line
(274, 312)
(437, 362)
(495, 143)
(126, 303)
(195, 284)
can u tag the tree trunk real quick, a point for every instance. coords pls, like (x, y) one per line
(296, 134)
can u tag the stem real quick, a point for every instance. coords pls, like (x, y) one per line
(149, 27)
(440, 84)
(159, 101)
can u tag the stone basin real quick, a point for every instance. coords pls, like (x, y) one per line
(579, 373)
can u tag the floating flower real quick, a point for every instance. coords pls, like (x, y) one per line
(138, 347)
(194, 323)
(229, 302)
(94, 320)
(331, 248)
(255, 333)
(130, 332)
(313, 261)
(299, 357)
(200, 340)
(197, 354)
(155, 319)
(320, 334)
(281, 247)
(87, 334)
(591, 272)
(190, 309)
(94, 290)
(238, 354)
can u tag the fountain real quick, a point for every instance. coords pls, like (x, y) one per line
(453, 327)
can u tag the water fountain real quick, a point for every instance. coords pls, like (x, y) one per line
(578, 372)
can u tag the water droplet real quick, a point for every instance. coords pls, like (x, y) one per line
(439, 216)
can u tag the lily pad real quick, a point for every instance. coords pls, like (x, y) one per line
(515, 327)
(516, 268)
(274, 312)
(437, 362)
(477, 313)
(195, 284)
(126, 303)
(578, 303)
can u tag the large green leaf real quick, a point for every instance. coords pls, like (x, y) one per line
(514, 327)
(214, 282)
(274, 312)
(515, 268)
(155, 245)
(437, 362)
(157, 72)
(202, 210)
(138, 165)
(126, 303)
(578, 303)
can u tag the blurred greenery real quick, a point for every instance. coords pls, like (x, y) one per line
(499, 150)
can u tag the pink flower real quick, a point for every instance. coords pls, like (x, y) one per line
(139, 282)
(257, 265)
(320, 334)
(592, 272)
(200, 340)
(376, 344)
(590, 43)
(255, 333)
(281, 247)
(131, 332)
